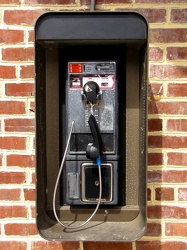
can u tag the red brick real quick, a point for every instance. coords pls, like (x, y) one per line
(33, 178)
(12, 194)
(155, 158)
(107, 245)
(158, 212)
(13, 212)
(178, 16)
(12, 177)
(27, 71)
(12, 245)
(176, 53)
(174, 176)
(182, 194)
(21, 160)
(164, 194)
(154, 176)
(51, 2)
(170, 176)
(31, 36)
(174, 35)
(32, 106)
(29, 194)
(158, 245)
(178, 159)
(33, 211)
(21, 17)
(177, 90)
(171, 108)
(19, 125)
(11, 36)
(154, 125)
(7, 72)
(12, 107)
(50, 245)
(176, 229)
(18, 54)
(12, 142)
(148, 194)
(21, 89)
(22, 229)
(151, 15)
(168, 71)
(153, 229)
(167, 142)
(1, 159)
(155, 54)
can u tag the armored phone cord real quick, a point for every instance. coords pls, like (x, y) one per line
(98, 161)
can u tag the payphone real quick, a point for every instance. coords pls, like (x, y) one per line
(91, 125)
(92, 103)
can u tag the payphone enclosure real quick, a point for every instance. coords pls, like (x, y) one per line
(74, 52)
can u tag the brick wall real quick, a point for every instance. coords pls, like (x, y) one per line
(167, 142)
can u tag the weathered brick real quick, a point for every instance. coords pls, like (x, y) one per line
(18, 54)
(12, 107)
(33, 211)
(176, 229)
(19, 125)
(155, 54)
(160, 1)
(21, 17)
(172, 108)
(12, 245)
(155, 158)
(154, 125)
(176, 53)
(12, 177)
(158, 212)
(168, 176)
(12, 142)
(30, 36)
(151, 15)
(177, 90)
(157, 245)
(7, 72)
(167, 141)
(11, 36)
(33, 178)
(182, 194)
(29, 194)
(174, 35)
(154, 176)
(168, 72)
(27, 71)
(178, 16)
(148, 194)
(21, 160)
(12, 194)
(51, 2)
(22, 229)
(1, 159)
(164, 194)
(21, 89)
(107, 245)
(51, 245)
(153, 229)
(177, 158)
(13, 212)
